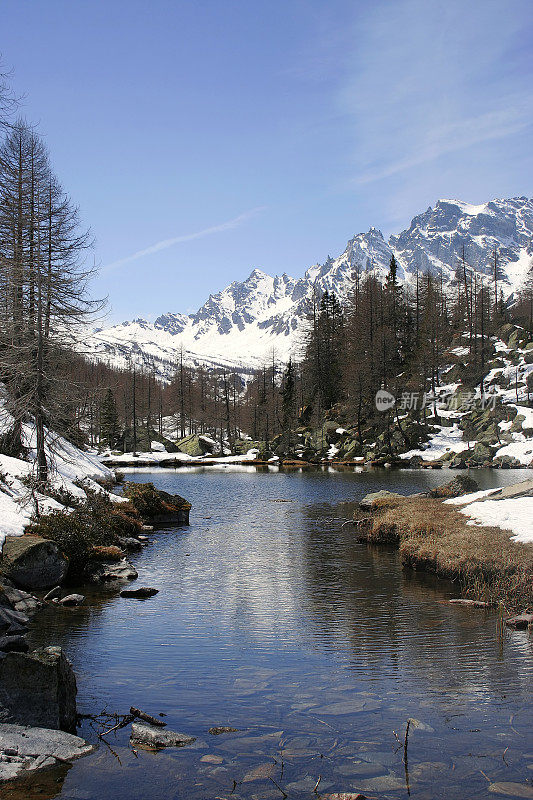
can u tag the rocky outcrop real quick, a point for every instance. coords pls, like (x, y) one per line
(32, 562)
(38, 689)
(26, 749)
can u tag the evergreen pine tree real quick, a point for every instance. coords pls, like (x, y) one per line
(109, 422)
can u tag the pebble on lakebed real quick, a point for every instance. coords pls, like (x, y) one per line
(217, 730)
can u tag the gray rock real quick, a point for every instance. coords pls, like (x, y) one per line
(150, 736)
(39, 689)
(368, 500)
(24, 749)
(22, 601)
(11, 619)
(129, 543)
(112, 571)
(32, 562)
(141, 593)
(72, 600)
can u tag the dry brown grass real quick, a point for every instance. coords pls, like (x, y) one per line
(103, 553)
(436, 537)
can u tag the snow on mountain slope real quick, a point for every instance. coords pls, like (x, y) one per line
(242, 326)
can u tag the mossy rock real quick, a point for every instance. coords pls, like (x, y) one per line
(462, 484)
(518, 338)
(195, 445)
(372, 499)
(505, 332)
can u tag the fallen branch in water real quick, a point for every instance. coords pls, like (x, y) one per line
(122, 724)
(136, 712)
(278, 787)
(405, 756)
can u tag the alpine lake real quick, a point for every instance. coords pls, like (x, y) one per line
(272, 619)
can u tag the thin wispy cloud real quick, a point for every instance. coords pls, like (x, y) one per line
(453, 138)
(164, 244)
(454, 84)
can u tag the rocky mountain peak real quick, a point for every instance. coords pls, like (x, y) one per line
(241, 325)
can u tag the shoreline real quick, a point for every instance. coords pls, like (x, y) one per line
(38, 687)
(443, 539)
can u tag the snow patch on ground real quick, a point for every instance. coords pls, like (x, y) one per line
(444, 441)
(67, 464)
(514, 514)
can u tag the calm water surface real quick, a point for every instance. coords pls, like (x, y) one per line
(271, 618)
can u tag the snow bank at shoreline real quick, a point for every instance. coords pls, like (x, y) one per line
(67, 464)
(514, 514)
(160, 457)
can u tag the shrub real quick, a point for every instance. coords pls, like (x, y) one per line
(102, 553)
(93, 523)
(75, 533)
(150, 502)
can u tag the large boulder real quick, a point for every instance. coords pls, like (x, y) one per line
(462, 484)
(24, 749)
(32, 562)
(39, 688)
(197, 445)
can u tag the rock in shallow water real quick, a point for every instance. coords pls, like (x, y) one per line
(24, 749)
(150, 736)
(72, 600)
(520, 622)
(112, 571)
(218, 729)
(39, 688)
(139, 594)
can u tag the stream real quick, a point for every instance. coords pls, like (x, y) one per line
(272, 619)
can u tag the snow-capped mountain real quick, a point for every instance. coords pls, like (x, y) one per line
(243, 325)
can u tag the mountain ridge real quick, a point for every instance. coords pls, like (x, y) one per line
(242, 325)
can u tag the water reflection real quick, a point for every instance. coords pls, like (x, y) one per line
(273, 619)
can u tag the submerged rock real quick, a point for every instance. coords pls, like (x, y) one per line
(157, 738)
(32, 562)
(217, 730)
(140, 594)
(460, 601)
(39, 689)
(511, 789)
(24, 749)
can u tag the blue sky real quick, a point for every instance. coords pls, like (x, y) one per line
(208, 138)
